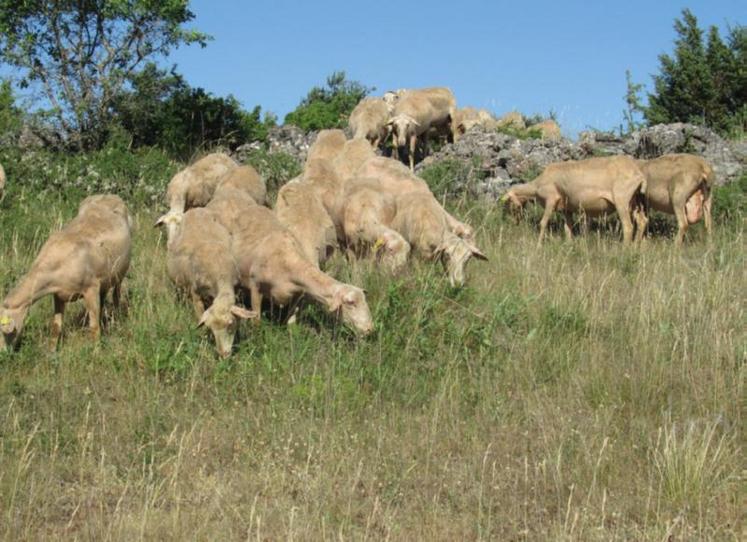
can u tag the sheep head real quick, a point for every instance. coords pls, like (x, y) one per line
(402, 126)
(222, 319)
(455, 252)
(11, 324)
(173, 221)
(393, 250)
(351, 303)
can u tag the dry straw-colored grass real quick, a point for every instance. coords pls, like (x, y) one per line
(581, 391)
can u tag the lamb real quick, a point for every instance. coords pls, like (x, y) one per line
(86, 258)
(193, 187)
(369, 121)
(245, 179)
(200, 262)
(679, 184)
(272, 264)
(2, 182)
(422, 222)
(327, 145)
(299, 208)
(595, 186)
(416, 112)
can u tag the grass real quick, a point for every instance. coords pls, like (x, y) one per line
(581, 391)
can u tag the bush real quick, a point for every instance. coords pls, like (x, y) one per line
(449, 177)
(330, 106)
(276, 168)
(730, 201)
(139, 176)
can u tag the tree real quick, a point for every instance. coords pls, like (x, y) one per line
(11, 117)
(330, 106)
(81, 53)
(161, 109)
(633, 103)
(701, 83)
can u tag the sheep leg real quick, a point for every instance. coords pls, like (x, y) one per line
(549, 208)
(568, 225)
(117, 295)
(707, 216)
(59, 311)
(92, 300)
(627, 223)
(682, 224)
(413, 145)
(641, 222)
(256, 300)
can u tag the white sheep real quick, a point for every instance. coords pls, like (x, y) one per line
(200, 262)
(85, 259)
(369, 120)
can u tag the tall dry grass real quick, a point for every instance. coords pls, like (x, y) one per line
(581, 391)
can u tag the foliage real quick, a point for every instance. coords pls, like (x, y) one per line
(163, 110)
(730, 202)
(329, 106)
(80, 55)
(521, 133)
(276, 168)
(11, 117)
(140, 176)
(451, 177)
(702, 83)
(634, 108)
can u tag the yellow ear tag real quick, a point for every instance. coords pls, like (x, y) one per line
(504, 198)
(4, 321)
(379, 243)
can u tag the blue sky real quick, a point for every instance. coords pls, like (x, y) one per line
(534, 56)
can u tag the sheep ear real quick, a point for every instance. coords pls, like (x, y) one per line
(161, 220)
(241, 312)
(203, 318)
(7, 324)
(476, 252)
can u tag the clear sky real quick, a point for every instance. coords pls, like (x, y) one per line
(533, 56)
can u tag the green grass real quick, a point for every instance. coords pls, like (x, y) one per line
(581, 391)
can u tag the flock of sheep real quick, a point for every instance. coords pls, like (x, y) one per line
(225, 244)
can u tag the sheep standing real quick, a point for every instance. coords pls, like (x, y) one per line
(417, 112)
(596, 186)
(369, 120)
(87, 258)
(679, 184)
(200, 262)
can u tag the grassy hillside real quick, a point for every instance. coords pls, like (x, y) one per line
(579, 391)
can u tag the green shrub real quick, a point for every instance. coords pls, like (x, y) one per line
(277, 168)
(330, 106)
(449, 177)
(730, 201)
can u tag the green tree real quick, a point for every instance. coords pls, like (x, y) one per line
(700, 83)
(634, 108)
(81, 53)
(11, 117)
(161, 109)
(329, 106)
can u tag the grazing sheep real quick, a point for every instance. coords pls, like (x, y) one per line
(272, 264)
(200, 262)
(369, 121)
(299, 208)
(245, 179)
(396, 178)
(322, 176)
(422, 222)
(416, 112)
(2, 182)
(327, 145)
(594, 187)
(512, 119)
(85, 259)
(679, 184)
(467, 118)
(548, 129)
(352, 156)
(193, 187)
(367, 214)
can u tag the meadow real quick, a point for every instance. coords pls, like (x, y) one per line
(578, 391)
